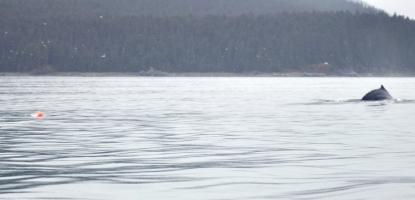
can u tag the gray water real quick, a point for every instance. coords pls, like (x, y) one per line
(206, 138)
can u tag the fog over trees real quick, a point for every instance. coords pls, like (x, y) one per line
(203, 36)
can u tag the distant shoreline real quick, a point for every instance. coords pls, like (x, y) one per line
(197, 74)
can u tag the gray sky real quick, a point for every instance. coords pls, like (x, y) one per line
(401, 7)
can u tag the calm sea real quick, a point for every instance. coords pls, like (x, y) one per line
(206, 138)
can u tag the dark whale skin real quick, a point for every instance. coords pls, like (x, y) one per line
(377, 95)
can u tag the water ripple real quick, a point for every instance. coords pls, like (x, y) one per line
(162, 139)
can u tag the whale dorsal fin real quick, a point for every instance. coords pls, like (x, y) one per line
(381, 87)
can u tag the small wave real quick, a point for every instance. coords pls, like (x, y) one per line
(14, 116)
(347, 101)
(330, 101)
(403, 101)
(10, 116)
(388, 102)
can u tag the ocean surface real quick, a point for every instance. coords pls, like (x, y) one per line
(206, 138)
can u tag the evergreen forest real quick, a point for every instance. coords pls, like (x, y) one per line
(203, 36)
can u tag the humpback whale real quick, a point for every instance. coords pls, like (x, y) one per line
(378, 94)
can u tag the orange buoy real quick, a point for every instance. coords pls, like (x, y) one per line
(38, 114)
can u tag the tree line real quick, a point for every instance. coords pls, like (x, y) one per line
(181, 7)
(281, 42)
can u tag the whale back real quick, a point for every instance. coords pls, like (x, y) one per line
(378, 94)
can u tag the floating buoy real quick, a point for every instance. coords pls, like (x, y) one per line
(37, 114)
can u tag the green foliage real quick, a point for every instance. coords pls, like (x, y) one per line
(103, 39)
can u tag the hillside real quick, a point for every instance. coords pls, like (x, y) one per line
(105, 40)
(180, 7)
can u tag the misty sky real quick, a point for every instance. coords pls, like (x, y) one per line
(401, 7)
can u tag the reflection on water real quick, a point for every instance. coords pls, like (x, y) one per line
(205, 138)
